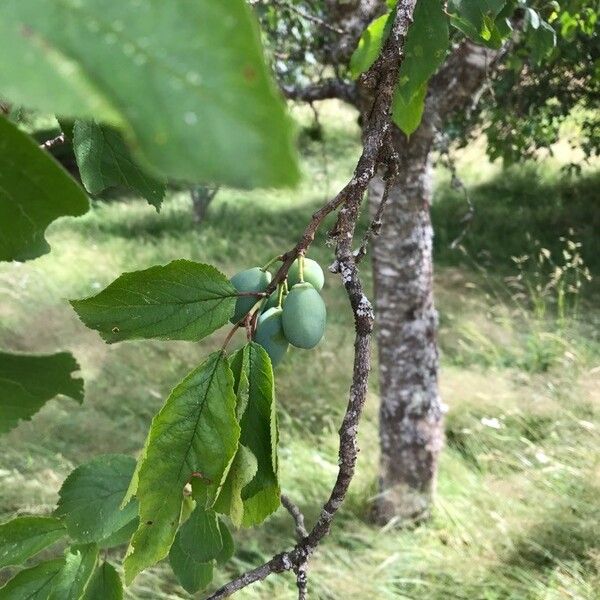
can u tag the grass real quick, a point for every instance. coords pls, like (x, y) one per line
(517, 515)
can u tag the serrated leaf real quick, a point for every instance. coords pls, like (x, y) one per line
(425, 48)
(228, 545)
(105, 584)
(27, 382)
(200, 536)
(192, 576)
(104, 161)
(34, 191)
(72, 580)
(242, 472)
(476, 19)
(195, 435)
(91, 496)
(201, 541)
(183, 300)
(24, 537)
(369, 45)
(33, 584)
(184, 81)
(407, 115)
(261, 496)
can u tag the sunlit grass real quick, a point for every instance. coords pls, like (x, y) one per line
(517, 515)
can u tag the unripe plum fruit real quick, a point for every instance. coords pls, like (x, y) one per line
(273, 301)
(250, 280)
(313, 273)
(304, 316)
(269, 334)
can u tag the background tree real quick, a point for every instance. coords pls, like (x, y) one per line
(509, 61)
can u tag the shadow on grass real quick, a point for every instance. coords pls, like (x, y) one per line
(519, 202)
(570, 532)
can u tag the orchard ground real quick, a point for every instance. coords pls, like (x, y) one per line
(517, 515)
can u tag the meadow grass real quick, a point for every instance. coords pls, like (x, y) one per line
(518, 512)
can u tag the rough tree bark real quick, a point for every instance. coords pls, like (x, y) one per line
(411, 424)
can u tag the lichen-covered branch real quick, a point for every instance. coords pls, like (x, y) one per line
(379, 83)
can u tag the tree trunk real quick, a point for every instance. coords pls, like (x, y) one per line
(202, 196)
(411, 432)
(411, 427)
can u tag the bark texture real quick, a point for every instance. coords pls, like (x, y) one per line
(410, 412)
(411, 415)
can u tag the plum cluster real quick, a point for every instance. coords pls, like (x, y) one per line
(294, 314)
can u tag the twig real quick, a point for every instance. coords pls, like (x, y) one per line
(301, 570)
(53, 142)
(323, 90)
(377, 221)
(301, 531)
(380, 81)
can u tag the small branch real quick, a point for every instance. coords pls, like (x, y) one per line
(322, 90)
(301, 570)
(375, 226)
(297, 515)
(59, 140)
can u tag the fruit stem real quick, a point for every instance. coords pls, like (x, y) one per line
(246, 321)
(280, 295)
(301, 268)
(272, 261)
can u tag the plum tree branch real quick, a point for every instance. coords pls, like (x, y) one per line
(322, 90)
(379, 83)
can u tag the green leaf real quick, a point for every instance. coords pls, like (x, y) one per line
(118, 538)
(34, 583)
(200, 542)
(91, 496)
(105, 584)
(242, 472)
(261, 496)
(228, 545)
(425, 49)
(476, 19)
(72, 580)
(195, 435)
(407, 115)
(104, 161)
(192, 576)
(240, 366)
(369, 45)
(34, 191)
(541, 41)
(186, 82)
(183, 300)
(27, 382)
(24, 537)
(200, 536)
